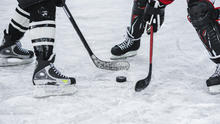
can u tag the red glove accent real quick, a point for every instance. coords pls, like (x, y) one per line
(166, 2)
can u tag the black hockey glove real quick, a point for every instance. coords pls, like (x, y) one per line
(154, 15)
(60, 3)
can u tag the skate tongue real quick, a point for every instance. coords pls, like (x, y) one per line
(7, 40)
(52, 58)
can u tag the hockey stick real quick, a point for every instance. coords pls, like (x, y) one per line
(142, 84)
(108, 65)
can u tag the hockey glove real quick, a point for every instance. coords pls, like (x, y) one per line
(60, 3)
(154, 14)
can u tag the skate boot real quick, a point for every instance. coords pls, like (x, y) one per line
(127, 48)
(213, 83)
(49, 81)
(13, 54)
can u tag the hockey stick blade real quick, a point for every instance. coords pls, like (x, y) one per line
(142, 84)
(110, 65)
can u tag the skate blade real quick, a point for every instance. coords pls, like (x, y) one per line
(124, 56)
(44, 91)
(214, 89)
(4, 62)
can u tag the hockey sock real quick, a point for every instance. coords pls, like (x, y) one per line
(42, 28)
(18, 25)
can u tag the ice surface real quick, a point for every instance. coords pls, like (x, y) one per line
(177, 93)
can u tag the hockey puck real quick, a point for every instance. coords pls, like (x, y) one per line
(121, 79)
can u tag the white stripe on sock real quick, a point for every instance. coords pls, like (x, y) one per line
(42, 22)
(43, 43)
(23, 11)
(18, 28)
(20, 19)
(42, 32)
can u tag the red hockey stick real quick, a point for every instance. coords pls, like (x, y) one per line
(142, 84)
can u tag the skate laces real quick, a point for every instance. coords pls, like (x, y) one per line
(57, 71)
(18, 44)
(128, 42)
(217, 71)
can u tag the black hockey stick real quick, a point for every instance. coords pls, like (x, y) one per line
(142, 84)
(108, 65)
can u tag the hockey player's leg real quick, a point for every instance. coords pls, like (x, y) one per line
(203, 17)
(46, 78)
(131, 43)
(11, 51)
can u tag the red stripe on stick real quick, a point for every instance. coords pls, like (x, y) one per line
(151, 43)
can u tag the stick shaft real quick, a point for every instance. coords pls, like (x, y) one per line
(73, 22)
(151, 44)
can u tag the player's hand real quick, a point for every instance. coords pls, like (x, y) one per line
(154, 14)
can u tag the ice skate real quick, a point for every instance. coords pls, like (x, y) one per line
(127, 48)
(12, 54)
(213, 83)
(48, 81)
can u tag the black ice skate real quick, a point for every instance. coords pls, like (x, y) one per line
(213, 82)
(127, 48)
(13, 54)
(49, 81)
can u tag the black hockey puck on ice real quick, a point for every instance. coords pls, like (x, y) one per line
(121, 78)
